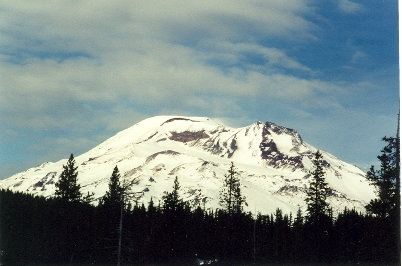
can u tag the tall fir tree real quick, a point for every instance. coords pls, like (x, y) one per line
(67, 187)
(317, 205)
(230, 197)
(174, 218)
(114, 196)
(298, 222)
(387, 180)
(172, 200)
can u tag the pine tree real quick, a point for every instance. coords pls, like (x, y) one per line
(298, 222)
(114, 196)
(114, 202)
(67, 187)
(230, 195)
(317, 206)
(173, 220)
(172, 200)
(298, 244)
(387, 180)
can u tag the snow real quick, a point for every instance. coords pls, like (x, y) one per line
(145, 152)
(284, 144)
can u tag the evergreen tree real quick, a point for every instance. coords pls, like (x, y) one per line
(387, 180)
(386, 207)
(230, 195)
(174, 224)
(67, 187)
(298, 222)
(113, 206)
(88, 198)
(298, 237)
(114, 195)
(172, 200)
(317, 206)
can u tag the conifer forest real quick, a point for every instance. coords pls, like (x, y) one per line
(67, 229)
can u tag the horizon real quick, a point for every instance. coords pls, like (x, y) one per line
(73, 76)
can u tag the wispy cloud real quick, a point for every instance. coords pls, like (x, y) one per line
(145, 53)
(348, 6)
(97, 67)
(242, 54)
(358, 56)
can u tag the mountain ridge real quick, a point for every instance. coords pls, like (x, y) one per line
(273, 161)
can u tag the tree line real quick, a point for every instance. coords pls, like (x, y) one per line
(68, 229)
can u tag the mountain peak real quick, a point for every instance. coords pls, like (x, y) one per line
(273, 161)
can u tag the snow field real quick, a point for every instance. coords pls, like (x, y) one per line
(145, 153)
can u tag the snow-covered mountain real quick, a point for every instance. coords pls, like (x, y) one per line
(273, 162)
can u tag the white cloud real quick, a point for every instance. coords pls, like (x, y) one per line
(239, 53)
(44, 93)
(85, 65)
(348, 6)
(358, 56)
(99, 26)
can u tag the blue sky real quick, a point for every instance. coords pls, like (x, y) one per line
(73, 74)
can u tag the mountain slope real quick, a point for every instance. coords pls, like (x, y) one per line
(273, 161)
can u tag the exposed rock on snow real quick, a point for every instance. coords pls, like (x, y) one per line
(274, 164)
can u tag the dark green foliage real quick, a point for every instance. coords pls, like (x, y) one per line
(88, 198)
(54, 231)
(317, 206)
(114, 204)
(67, 187)
(387, 205)
(114, 196)
(318, 226)
(171, 200)
(230, 197)
(319, 215)
(35, 230)
(298, 222)
(281, 232)
(176, 214)
(387, 181)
